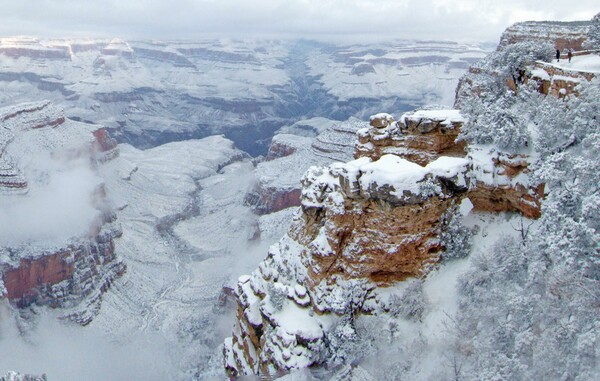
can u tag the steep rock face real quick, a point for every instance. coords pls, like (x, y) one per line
(68, 276)
(564, 35)
(362, 224)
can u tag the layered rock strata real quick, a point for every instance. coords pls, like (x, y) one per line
(558, 81)
(39, 268)
(564, 35)
(290, 156)
(420, 136)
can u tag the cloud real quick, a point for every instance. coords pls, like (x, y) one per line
(449, 19)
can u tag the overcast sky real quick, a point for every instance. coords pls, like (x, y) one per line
(440, 19)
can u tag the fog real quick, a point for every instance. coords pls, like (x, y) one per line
(68, 352)
(441, 19)
(58, 207)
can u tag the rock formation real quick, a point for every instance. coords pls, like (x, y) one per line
(39, 269)
(564, 35)
(363, 225)
(421, 136)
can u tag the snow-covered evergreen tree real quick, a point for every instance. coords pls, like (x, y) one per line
(593, 37)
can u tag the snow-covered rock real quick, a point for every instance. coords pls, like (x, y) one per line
(363, 223)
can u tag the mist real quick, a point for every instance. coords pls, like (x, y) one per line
(64, 351)
(58, 206)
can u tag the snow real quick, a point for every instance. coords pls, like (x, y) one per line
(406, 70)
(540, 73)
(565, 78)
(445, 117)
(297, 321)
(382, 115)
(589, 63)
(448, 167)
(400, 173)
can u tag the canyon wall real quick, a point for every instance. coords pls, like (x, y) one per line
(70, 272)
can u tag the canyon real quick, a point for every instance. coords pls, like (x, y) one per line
(117, 147)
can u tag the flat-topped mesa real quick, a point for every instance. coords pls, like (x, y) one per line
(420, 136)
(362, 224)
(17, 47)
(118, 47)
(66, 256)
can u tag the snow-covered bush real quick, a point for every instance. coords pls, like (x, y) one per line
(455, 237)
(411, 304)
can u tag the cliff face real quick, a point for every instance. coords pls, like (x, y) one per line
(564, 35)
(37, 266)
(357, 230)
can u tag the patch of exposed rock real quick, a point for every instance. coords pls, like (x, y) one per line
(420, 136)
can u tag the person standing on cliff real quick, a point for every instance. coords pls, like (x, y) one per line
(557, 55)
(570, 55)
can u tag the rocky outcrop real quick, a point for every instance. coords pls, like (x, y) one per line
(557, 81)
(267, 200)
(104, 146)
(500, 183)
(11, 179)
(421, 136)
(282, 146)
(290, 156)
(65, 277)
(364, 224)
